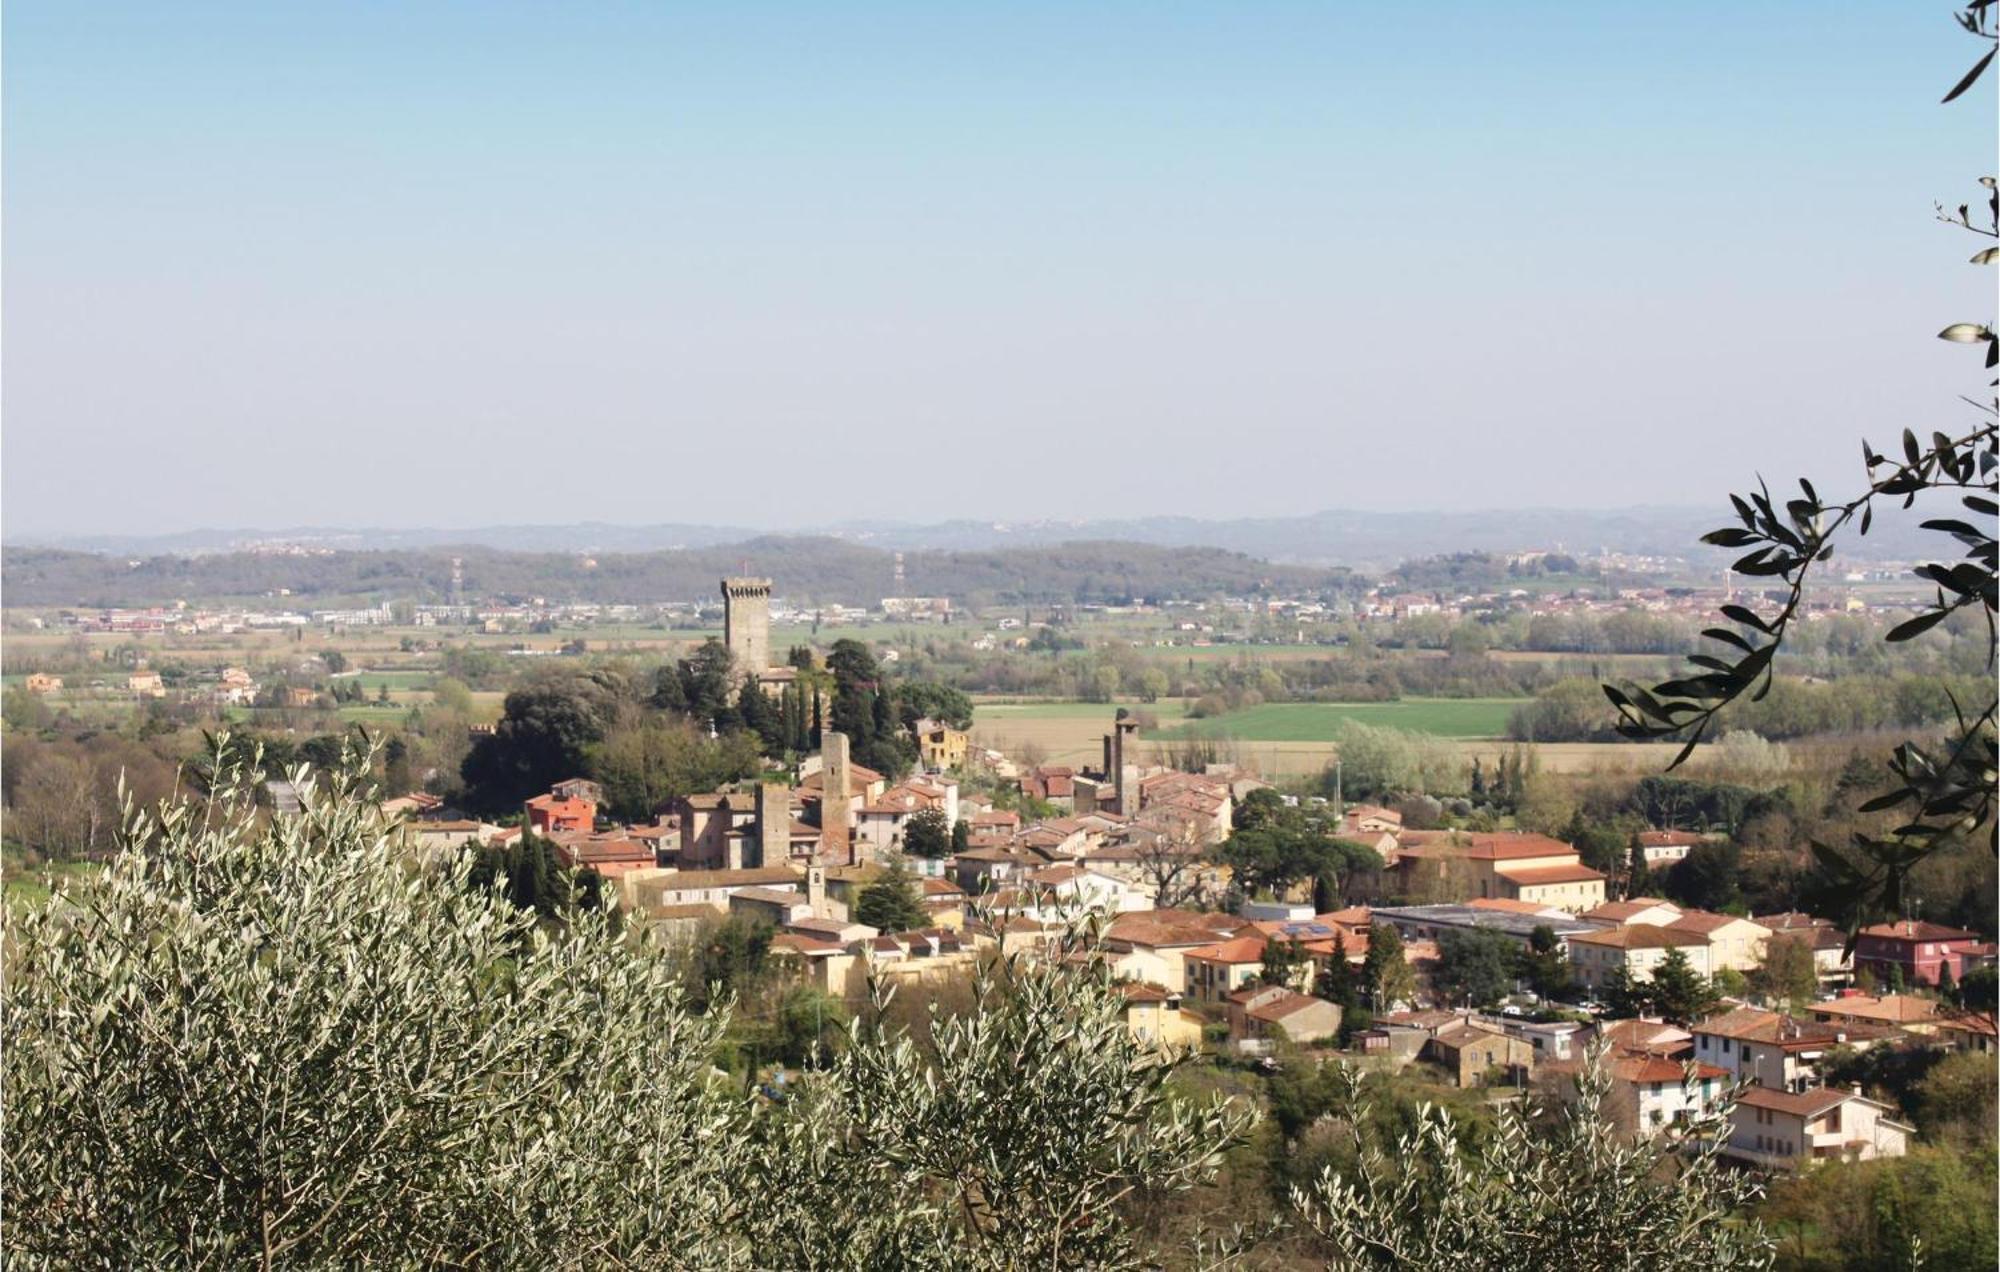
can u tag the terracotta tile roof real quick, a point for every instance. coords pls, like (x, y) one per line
(1739, 1022)
(1352, 916)
(1496, 846)
(687, 880)
(1152, 929)
(1791, 921)
(1639, 936)
(1971, 1023)
(1237, 950)
(1647, 1066)
(858, 776)
(1051, 876)
(1466, 1033)
(1532, 876)
(1418, 1019)
(1893, 1009)
(1805, 1104)
(1913, 930)
(811, 925)
(1668, 838)
(1142, 992)
(591, 852)
(1288, 1003)
(1749, 1024)
(807, 944)
(1370, 812)
(1704, 921)
(774, 896)
(1646, 1035)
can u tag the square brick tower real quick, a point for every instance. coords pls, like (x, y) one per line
(746, 623)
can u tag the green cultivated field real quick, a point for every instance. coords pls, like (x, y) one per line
(1316, 721)
(987, 710)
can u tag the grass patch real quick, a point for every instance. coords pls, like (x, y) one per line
(998, 711)
(30, 886)
(1319, 721)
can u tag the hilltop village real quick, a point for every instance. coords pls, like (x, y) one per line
(1501, 958)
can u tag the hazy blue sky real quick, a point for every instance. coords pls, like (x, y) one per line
(454, 264)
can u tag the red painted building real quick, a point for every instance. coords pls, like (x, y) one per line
(552, 814)
(1921, 950)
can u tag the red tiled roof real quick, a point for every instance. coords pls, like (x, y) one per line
(1534, 876)
(1647, 1066)
(1704, 921)
(1914, 930)
(1806, 1104)
(1668, 838)
(1971, 1023)
(1497, 846)
(1891, 1009)
(1639, 936)
(1288, 1003)
(807, 944)
(1241, 949)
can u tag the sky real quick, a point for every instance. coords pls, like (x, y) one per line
(423, 264)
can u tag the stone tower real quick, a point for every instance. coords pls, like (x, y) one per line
(746, 623)
(835, 799)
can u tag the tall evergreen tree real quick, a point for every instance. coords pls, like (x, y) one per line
(1682, 994)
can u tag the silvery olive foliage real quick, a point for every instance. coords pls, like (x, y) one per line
(1029, 1121)
(1555, 1188)
(1943, 792)
(270, 1039)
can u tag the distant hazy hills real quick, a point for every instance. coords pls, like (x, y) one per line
(807, 571)
(1037, 562)
(1359, 540)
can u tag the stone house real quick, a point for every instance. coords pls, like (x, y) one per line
(1472, 1051)
(1265, 1013)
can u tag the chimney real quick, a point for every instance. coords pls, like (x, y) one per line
(835, 794)
(1126, 775)
(774, 823)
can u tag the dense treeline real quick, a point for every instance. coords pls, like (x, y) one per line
(1463, 572)
(808, 569)
(1574, 710)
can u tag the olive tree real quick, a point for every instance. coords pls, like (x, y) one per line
(1553, 1188)
(265, 1040)
(1024, 1130)
(269, 1038)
